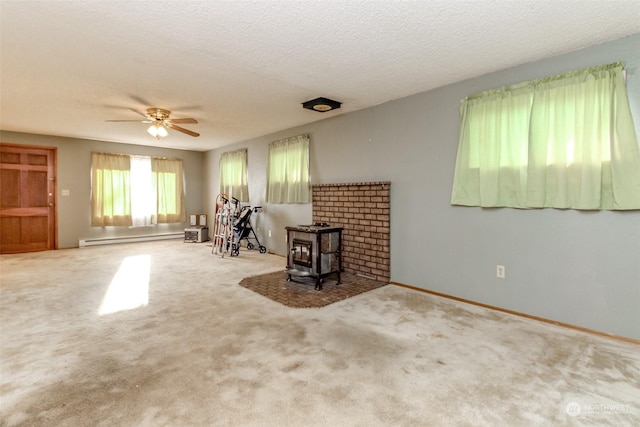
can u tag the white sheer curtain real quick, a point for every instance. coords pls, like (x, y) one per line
(141, 191)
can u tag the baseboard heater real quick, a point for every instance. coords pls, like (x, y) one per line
(129, 239)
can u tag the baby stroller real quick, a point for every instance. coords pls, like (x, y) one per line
(242, 230)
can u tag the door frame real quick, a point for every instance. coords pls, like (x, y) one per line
(54, 153)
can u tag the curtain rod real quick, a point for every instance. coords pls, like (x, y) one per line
(140, 155)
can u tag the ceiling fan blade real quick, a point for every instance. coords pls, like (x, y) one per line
(138, 112)
(183, 130)
(187, 120)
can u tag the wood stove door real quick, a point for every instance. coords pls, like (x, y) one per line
(302, 253)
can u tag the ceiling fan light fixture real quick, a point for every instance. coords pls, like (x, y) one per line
(162, 131)
(157, 130)
(321, 105)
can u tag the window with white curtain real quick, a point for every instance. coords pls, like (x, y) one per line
(288, 178)
(565, 142)
(136, 191)
(233, 174)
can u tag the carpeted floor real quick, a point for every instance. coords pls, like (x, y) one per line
(300, 293)
(161, 334)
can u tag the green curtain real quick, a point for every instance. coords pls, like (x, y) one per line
(288, 178)
(168, 189)
(110, 190)
(564, 142)
(233, 175)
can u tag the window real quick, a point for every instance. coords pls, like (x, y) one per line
(233, 175)
(141, 194)
(566, 141)
(288, 171)
(110, 190)
(135, 190)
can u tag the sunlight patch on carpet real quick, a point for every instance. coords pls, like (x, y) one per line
(129, 288)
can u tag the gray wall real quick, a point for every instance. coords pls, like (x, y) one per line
(581, 268)
(74, 174)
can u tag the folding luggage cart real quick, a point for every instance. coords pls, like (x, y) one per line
(225, 216)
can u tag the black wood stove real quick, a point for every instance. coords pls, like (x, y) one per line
(314, 251)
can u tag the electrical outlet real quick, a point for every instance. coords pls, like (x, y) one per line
(269, 233)
(501, 272)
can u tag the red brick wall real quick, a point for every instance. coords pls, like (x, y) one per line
(363, 210)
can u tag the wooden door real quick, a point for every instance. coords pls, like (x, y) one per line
(27, 198)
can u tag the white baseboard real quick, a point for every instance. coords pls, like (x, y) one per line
(129, 239)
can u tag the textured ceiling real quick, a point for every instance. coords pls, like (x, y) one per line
(243, 68)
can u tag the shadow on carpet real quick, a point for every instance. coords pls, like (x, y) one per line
(301, 294)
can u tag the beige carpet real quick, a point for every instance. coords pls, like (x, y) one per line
(204, 351)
